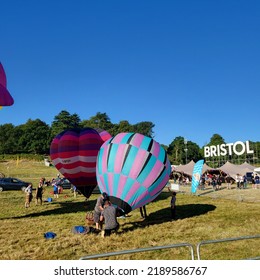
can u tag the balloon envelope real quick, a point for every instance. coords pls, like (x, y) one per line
(103, 134)
(5, 97)
(74, 154)
(132, 169)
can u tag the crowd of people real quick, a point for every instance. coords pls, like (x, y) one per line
(216, 181)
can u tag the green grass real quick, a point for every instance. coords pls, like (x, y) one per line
(204, 217)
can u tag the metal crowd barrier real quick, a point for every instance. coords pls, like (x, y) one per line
(224, 240)
(89, 257)
(134, 251)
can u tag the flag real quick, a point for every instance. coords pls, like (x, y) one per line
(197, 170)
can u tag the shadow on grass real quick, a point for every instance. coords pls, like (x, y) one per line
(64, 207)
(164, 215)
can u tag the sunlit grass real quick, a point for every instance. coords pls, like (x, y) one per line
(198, 218)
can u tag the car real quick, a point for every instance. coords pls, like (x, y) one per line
(64, 183)
(10, 183)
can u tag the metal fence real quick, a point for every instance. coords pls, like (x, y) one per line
(190, 246)
(134, 251)
(224, 240)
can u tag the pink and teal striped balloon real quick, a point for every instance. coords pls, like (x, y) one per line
(132, 169)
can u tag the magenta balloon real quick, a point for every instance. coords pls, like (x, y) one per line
(5, 97)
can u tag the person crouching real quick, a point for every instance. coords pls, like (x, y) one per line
(109, 216)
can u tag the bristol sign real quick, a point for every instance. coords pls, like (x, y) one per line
(238, 148)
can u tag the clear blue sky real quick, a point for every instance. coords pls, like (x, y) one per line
(192, 67)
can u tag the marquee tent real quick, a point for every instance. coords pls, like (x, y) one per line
(187, 169)
(257, 170)
(233, 169)
(227, 168)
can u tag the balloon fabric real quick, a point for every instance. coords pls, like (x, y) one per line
(103, 134)
(5, 97)
(132, 169)
(74, 154)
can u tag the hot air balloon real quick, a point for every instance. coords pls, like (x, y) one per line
(5, 97)
(74, 154)
(103, 134)
(132, 169)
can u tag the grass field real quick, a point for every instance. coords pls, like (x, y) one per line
(207, 216)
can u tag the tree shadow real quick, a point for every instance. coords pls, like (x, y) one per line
(164, 215)
(65, 207)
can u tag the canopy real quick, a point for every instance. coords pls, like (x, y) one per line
(233, 169)
(228, 168)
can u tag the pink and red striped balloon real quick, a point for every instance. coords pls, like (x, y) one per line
(74, 154)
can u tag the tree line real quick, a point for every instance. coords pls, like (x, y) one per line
(35, 136)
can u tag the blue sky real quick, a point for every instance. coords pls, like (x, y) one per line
(190, 67)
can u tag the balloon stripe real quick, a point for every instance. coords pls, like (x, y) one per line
(159, 185)
(116, 183)
(110, 180)
(111, 157)
(139, 162)
(103, 161)
(127, 186)
(119, 158)
(137, 140)
(131, 193)
(156, 149)
(146, 143)
(125, 166)
(121, 185)
(148, 170)
(77, 169)
(141, 176)
(153, 176)
(118, 139)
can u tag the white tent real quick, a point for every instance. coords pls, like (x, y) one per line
(257, 170)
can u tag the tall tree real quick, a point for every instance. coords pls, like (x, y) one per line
(180, 153)
(35, 137)
(145, 128)
(7, 139)
(100, 120)
(64, 120)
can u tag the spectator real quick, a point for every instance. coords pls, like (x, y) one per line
(39, 192)
(98, 209)
(108, 215)
(143, 212)
(55, 191)
(228, 181)
(173, 206)
(257, 181)
(244, 182)
(28, 195)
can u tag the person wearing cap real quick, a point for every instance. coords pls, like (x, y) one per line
(98, 209)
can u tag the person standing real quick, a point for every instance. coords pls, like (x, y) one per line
(244, 182)
(228, 181)
(55, 190)
(143, 212)
(238, 180)
(28, 195)
(39, 192)
(173, 206)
